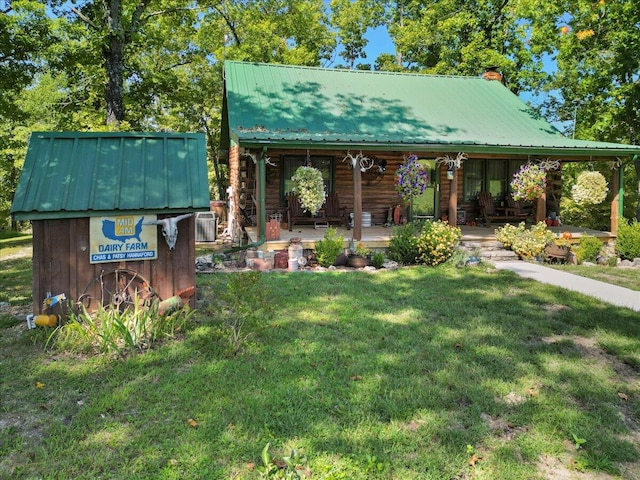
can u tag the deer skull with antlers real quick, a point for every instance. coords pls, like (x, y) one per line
(170, 228)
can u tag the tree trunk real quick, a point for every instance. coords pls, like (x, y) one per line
(213, 144)
(114, 63)
(636, 164)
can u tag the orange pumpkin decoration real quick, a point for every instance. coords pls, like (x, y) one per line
(567, 235)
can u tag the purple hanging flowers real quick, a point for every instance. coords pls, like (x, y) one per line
(529, 183)
(411, 178)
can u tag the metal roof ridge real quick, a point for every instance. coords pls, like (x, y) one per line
(354, 71)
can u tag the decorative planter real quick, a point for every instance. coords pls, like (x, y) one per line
(557, 252)
(356, 261)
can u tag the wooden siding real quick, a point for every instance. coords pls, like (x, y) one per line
(378, 193)
(61, 261)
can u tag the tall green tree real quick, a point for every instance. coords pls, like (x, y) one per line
(100, 40)
(24, 34)
(596, 86)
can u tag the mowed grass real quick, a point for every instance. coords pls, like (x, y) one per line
(628, 277)
(15, 269)
(407, 374)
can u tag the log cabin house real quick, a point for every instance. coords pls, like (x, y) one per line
(278, 117)
(91, 199)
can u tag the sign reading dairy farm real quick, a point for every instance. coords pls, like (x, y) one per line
(125, 237)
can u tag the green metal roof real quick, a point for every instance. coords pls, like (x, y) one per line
(71, 174)
(291, 106)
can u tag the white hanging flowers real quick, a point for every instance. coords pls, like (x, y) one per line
(590, 188)
(309, 187)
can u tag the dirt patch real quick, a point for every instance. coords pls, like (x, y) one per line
(552, 468)
(500, 427)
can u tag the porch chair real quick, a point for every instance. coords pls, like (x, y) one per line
(517, 208)
(333, 212)
(295, 212)
(489, 212)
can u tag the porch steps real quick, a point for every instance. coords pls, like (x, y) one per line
(490, 251)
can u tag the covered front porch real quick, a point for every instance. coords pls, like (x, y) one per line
(378, 236)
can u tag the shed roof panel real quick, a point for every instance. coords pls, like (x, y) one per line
(71, 174)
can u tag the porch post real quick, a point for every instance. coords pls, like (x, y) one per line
(541, 208)
(357, 203)
(453, 199)
(616, 188)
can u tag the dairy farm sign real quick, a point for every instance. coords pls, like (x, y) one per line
(121, 238)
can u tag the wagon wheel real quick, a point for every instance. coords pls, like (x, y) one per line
(117, 289)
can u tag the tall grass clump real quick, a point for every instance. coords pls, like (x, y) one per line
(110, 331)
(240, 303)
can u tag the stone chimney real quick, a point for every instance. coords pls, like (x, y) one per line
(492, 73)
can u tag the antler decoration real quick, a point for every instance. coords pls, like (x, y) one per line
(549, 164)
(363, 163)
(452, 163)
(617, 163)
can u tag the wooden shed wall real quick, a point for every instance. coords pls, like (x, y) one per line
(61, 260)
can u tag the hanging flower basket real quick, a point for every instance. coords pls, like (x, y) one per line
(590, 189)
(309, 187)
(411, 179)
(529, 183)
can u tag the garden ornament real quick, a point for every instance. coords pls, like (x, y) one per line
(170, 228)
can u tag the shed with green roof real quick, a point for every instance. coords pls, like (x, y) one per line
(95, 200)
(285, 116)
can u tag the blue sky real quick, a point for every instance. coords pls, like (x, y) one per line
(379, 42)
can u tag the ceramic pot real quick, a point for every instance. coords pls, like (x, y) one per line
(356, 261)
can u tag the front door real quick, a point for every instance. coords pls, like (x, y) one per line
(426, 206)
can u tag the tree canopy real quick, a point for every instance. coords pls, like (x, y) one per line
(157, 64)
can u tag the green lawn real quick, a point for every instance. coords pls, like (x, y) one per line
(623, 277)
(388, 375)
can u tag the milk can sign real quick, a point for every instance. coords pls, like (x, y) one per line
(124, 237)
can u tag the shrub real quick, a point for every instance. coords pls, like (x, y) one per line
(628, 240)
(436, 242)
(328, 249)
(528, 244)
(377, 259)
(507, 234)
(588, 249)
(403, 246)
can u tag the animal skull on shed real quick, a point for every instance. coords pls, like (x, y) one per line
(170, 228)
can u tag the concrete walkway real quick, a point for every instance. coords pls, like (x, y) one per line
(620, 296)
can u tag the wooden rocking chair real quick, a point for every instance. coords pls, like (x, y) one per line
(517, 209)
(489, 212)
(333, 212)
(295, 212)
